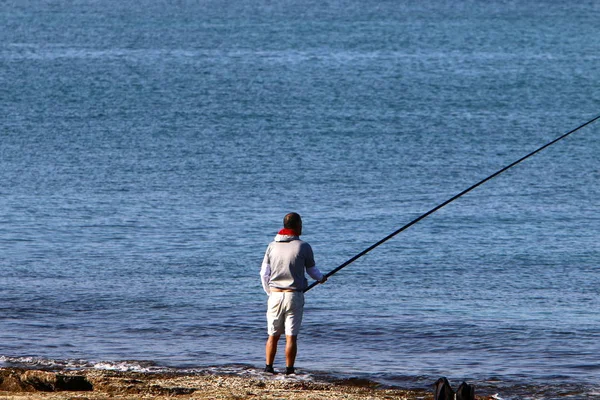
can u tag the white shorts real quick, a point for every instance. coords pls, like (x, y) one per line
(284, 313)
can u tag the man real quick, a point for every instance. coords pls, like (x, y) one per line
(283, 279)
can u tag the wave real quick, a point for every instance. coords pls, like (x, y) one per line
(29, 362)
(144, 367)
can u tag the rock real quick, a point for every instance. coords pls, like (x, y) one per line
(73, 383)
(19, 380)
(39, 380)
(10, 381)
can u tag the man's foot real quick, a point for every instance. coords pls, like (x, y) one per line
(269, 369)
(290, 370)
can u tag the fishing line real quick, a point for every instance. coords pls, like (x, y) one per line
(450, 200)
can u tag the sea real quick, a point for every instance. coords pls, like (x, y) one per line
(150, 149)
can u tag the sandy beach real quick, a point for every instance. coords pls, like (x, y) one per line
(21, 384)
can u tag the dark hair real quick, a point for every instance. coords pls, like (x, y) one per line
(292, 221)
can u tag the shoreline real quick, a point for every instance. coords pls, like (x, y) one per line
(36, 384)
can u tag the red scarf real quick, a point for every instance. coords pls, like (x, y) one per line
(288, 232)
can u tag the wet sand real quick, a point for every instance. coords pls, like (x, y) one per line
(21, 384)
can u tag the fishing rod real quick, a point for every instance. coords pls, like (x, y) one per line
(450, 200)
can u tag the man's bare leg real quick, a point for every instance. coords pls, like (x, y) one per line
(291, 349)
(271, 350)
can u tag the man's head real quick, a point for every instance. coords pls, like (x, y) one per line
(294, 222)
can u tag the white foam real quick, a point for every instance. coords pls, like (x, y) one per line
(122, 366)
(43, 362)
(127, 366)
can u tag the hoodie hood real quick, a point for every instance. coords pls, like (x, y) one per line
(286, 235)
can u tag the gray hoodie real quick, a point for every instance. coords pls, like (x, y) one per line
(288, 258)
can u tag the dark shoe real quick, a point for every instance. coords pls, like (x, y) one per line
(465, 392)
(269, 369)
(290, 370)
(442, 390)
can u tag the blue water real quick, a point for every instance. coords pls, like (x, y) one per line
(148, 152)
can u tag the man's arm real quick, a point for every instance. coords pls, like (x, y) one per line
(316, 274)
(312, 270)
(265, 277)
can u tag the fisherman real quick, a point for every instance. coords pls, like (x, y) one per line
(283, 279)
